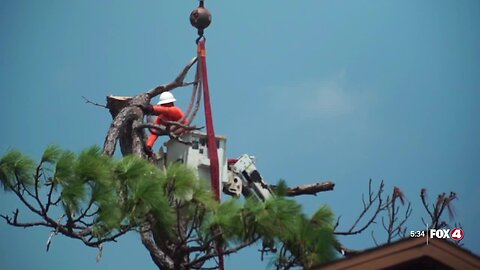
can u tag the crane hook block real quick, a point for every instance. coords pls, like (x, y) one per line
(200, 18)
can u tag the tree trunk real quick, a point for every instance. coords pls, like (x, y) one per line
(128, 118)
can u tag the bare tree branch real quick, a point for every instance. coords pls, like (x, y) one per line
(165, 130)
(178, 82)
(308, 189)
(373, 238)
(94, 103)
(13, 221)
(225, 252)
(372, 199)
(394, 227)
(443, 201)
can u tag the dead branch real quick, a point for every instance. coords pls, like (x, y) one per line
(443, 202)
(394, 227)
(169, 129)
(178, 82)
(163, 130)
(225, 252)
(308, 189)
(13, 221)
(423, 196)
(180, 125)
(374, 239)
(93, 103)
(401, 229)
(372, 200)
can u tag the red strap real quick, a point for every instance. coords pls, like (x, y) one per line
(211, 140)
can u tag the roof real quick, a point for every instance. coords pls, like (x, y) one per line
(410, 253)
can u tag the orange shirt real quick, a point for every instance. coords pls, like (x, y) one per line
(168, 114)
(165, 114)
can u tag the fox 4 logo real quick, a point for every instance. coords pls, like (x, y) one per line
(456, 234)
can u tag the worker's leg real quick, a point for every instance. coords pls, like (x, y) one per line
(151, 140)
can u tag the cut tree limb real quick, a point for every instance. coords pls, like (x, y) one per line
(308, 189)
(116, 103)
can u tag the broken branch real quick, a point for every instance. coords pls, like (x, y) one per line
(308, 189)
(93, 103)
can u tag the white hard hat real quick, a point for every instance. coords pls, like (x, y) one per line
(166, 97)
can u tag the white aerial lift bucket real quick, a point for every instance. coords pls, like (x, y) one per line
(196, 156)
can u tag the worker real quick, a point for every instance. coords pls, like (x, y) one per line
(166, 111)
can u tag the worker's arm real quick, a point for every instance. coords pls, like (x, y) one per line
(172, 112)
(156, 110)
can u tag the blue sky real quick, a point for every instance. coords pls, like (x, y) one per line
(316, 90)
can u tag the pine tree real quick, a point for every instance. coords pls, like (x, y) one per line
(101, 198)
